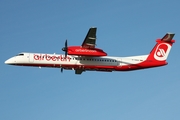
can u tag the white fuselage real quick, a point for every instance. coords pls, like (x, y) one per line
(106, 63)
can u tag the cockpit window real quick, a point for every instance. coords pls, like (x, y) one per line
(20, 54)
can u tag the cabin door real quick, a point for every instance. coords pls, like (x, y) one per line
(31, 58)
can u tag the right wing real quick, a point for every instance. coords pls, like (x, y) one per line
(90, 40)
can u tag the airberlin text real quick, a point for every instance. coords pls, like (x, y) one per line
(51, 57)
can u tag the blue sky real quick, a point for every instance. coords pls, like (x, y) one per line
(125, 27)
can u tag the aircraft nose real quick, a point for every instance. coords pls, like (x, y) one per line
(9, 61)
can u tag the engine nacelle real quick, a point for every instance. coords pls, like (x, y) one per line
(78, 50)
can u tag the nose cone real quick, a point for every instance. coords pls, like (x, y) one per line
(9, 61)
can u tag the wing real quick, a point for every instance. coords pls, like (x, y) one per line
(90, 40)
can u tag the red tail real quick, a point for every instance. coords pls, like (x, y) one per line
(161, 50)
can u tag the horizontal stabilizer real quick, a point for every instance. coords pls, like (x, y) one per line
(168, 37)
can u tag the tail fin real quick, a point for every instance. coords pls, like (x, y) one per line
(162, 48)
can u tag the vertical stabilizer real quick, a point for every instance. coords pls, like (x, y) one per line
(162, 48)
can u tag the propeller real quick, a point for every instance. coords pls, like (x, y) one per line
(65, 48)
(61, 70)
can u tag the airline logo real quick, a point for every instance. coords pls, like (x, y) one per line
(85, 50)
(47, 57)
(162, 51)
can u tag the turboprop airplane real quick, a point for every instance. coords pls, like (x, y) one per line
(89, 58)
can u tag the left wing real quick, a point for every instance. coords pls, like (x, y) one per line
(90, 40)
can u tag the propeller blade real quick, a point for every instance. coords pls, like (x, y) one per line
(61, 70)
(66, 44)
(66, 48)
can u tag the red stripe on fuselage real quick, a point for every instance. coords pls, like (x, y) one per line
(143, 65)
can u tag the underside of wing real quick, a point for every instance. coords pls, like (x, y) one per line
(90, 40)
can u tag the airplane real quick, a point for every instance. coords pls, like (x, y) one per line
(89, 58)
